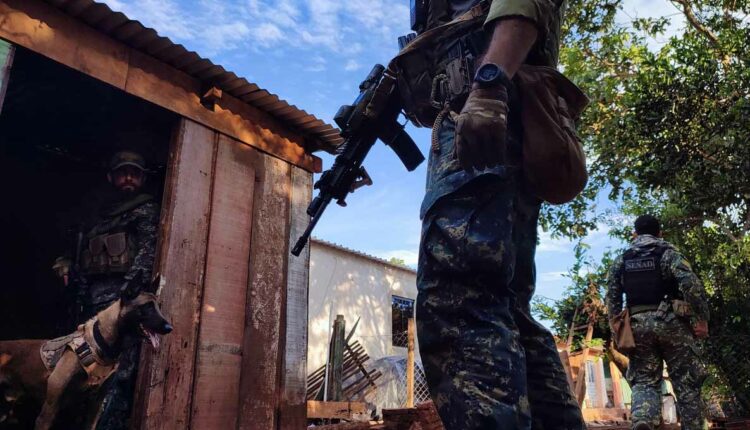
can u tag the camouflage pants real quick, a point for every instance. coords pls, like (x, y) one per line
(658, 341)
(488, 363)
(118, 401)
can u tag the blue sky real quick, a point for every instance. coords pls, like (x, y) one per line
(314, 53)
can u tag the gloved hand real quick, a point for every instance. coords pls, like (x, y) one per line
(700, 329)
(481, 127)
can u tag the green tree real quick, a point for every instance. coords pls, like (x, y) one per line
(667, 132)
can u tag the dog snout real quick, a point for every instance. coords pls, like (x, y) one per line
(167, 328)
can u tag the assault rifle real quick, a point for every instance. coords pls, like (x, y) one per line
(372, 116)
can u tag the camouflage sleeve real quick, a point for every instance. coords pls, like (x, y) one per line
(691, 287)
(614, 288)
(146, 224)
(539, 12)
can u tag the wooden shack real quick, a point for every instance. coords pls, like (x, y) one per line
(78, 79)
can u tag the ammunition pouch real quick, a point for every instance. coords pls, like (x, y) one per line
(108, 253)
(437, 67)
(682, 308)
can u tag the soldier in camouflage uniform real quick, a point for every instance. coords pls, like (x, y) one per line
(120, 247)
(488, 363)
(668, 310)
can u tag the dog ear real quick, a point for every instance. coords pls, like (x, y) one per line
(132, 287)
(5, 359)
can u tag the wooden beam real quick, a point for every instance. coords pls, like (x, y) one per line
(293, 413)
(410, 363)
(615, 374)
(334, 410)
(263, 342)
(222, 325)
(336, 360)
(166, 385)
(41, 28)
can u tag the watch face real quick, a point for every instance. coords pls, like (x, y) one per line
(488, 73)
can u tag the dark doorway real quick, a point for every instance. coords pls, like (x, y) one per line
(58, 129)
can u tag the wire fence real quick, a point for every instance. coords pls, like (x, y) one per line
(727, 358)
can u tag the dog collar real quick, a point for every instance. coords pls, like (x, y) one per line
(108, 352)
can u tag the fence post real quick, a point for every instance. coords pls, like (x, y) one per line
(410, 364)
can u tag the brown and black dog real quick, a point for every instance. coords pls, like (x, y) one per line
(57, 372)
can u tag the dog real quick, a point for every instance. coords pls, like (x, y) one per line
(59, 371)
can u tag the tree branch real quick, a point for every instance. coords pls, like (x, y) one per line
(687, 10)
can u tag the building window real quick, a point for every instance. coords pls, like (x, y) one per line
(401, 310)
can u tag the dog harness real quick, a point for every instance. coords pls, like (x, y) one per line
(96, 357)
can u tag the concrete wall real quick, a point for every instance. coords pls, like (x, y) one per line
(344, 282)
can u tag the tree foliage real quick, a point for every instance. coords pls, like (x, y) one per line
(667, 132)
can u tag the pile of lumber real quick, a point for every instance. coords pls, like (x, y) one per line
(423, 417)
(345, 361)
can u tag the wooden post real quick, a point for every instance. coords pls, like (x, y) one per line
(293, 413)
(335, 375)
(616, 386)
(262, 347)
(410, 364)
(166, 376)
(565, 359)
(581, 380)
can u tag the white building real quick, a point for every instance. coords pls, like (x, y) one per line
(356, 285)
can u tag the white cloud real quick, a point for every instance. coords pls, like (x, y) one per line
(548, 244)
(352, 65)
(267, 34)
(550, 276)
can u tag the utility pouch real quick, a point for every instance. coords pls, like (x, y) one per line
(554, 164)
(107, 253)
(422, 66)
(622, 332)
(117, 251)
(681, 308)
(663, 309)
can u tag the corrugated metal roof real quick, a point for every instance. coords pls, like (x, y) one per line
(320, 135)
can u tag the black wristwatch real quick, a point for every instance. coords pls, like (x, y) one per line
(491, 75)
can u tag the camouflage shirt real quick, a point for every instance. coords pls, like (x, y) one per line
(673, 266)
(138, 216)
(444, 173)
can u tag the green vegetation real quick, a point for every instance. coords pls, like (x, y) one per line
(667, 132)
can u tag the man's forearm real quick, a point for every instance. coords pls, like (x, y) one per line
(511, 41)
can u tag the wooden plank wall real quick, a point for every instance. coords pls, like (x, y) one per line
(263, 344)
(222, 323)
(294, 378)
(168, 378)
(236, 358)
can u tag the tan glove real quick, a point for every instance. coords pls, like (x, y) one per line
(62, 268)
(481, 128)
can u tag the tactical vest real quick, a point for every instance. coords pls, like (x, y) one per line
(110, 248)
(643, 281)
(108, 253)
